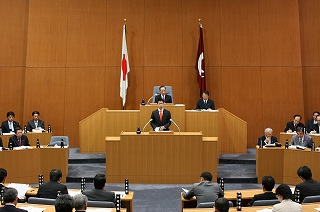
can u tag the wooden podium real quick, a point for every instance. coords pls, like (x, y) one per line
(44, 138)
(162, 158)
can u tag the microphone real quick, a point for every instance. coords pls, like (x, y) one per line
(147, 124)
(157, 94)
(175, 124)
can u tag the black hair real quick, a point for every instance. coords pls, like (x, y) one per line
(35, 112)
(99, 181)
(55, 174)
(10, 113)
(206, 176)
(268, 183)
(64, 203)
(3, 174)
(304, 172)
(285, 191)
(221, 204)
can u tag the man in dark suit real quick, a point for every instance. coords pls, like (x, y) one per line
(292, 126)
(10, 198)
(18, 139)
(9, 125)
(205, 103)
(35, 123)
(205, 190)
(311, 122)
(160, 118)
(3, 176)
(1, 143)
(64, 203)
(308, 187)
(267, 186)
(267, 138)
(99, 193)
(316, 127)
(301, 139)
(163, 95)
(53, 187)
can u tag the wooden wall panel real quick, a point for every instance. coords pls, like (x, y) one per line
(112, 88)
(310, 32)
(163, 31)
(282, 96)
(13, 25)
(47, 33)
(86, 33)
(240, 33)
(209, 13)
(243, 97)
(45, 91)
(279, 33)
(133, 11)
(84, 95)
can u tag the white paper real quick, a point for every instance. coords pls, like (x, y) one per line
(32, 209)
(37, 131)
(157, 129)
(292, 190)
(318, 209)
(11, 133)
(101, 210)
(122, 193)
(185, 190)
(265, 210)
(21, 188)
(74, 192)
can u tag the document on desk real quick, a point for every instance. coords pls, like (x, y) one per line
(317, 209)
(186, 191)
(265, 210)
(32, 209)
(21, 188)
(122, 193)
(74, 192)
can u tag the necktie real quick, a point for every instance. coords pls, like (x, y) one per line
(36, 124)
(160, 115)
(11, 126)
(205, 102)
(300, 141)
(163, 97)
(20, 144)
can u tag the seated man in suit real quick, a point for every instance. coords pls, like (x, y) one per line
(64, 203)
(10, 198)
(53, 187)
(35, 123)
(205, 190)
(301, 139)
(9, 125)
(163, 95)
(311, 122)
(267, 138)
(267, 186)
(99, 193)
(292, 125)
(221, 205)
(286, 204)
(308, 187)
(80, 202)
(160, 118)
(205, 103)
(316, 127)
(18, 139)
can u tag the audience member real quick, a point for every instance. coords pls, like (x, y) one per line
(163, 95)
(285, 197)
(160, 117)
(301, 139)
(80, 202)
(64, 203)
(293, 125)
(267, 186)
(18, 139)
(10, 198)
(267, 138)
(9, 125)
(221, 205)
(205, 103)
(308, 187)
(3, 177)
(311, 122)
(99, 193)
(53, 187)
(35, 123)
(205, 190)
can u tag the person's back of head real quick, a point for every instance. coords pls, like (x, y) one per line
(55, 175)
(206, 176)
(10, 195)
(3, 175)
(221, 205)
(304, 172)
(268, 183)
(285, 191)
(80, 202)
(64, 203)
(99, 181)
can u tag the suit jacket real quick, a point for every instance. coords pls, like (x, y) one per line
(287, 205)
(202, 105)
(268, 195)
(205, 192)
(31, 125)
(291, 126)
(166, 116)
(14, 140)
(315, 127)
(5, 126)
(100, 195)
(1, 144)
(11, 208)
(263, 138)
(308, 188)
(50, 189)
(167, 97)
(307, 141)
(310, 125)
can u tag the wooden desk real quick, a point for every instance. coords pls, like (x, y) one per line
(44, 138)
(50, 208)
(283, 164)
(160, 158)
(24, 166)
(288, 136)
